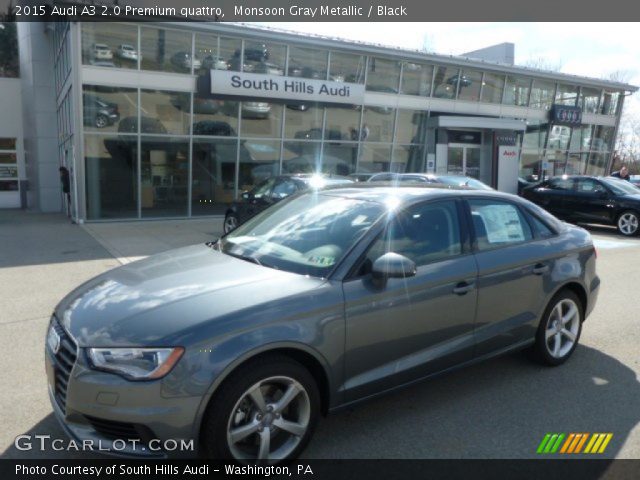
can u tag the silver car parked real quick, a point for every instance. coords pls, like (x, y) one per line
(328, 298)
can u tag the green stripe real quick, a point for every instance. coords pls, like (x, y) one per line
(547, 449)
(558, 442)
(543, 443)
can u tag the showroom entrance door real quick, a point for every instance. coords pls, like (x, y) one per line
(463, 159)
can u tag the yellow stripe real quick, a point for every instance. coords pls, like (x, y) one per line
(598, 442)
(606, 442)
(591, 442)
(567, 442)
(584, 439)
(574, 443)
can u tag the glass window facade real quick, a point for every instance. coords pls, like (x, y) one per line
(383, 75)
(566, 95)
(542, 94)
(214, 52)
(166, 50)
(517, 91)
(445, 82)
(308, 62)
(590, 99)
(377, 124)
(163, 153)
(213, 175)
(115, 46)
(9, 58)
(261, 58)
(347, 67)
(416, 79)
(609, 104)
(111, 171)
(492, 87)
(469, 85)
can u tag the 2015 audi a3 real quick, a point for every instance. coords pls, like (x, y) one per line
(323, 300)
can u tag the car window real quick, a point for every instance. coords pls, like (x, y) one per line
(539, 226)
(560, 183)
(424, 233)
(283, 189)
(264, 188)
(498, 223)
(589, 185)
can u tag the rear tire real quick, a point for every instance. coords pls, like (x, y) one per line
(265, 412)
(628, 223)
(559, 330)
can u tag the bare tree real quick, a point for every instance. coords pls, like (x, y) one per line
(621, 76)
(543, 63)
(627, 146)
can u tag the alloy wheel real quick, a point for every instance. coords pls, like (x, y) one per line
(269, 420)
(563, 328)
(628, 223)
(101, 121)
(230, 223)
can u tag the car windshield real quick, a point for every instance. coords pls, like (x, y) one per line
(620, 187)
(307, 235)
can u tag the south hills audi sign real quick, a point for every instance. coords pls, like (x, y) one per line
(286, 88)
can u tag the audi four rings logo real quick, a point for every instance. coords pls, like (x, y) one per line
(53, 340)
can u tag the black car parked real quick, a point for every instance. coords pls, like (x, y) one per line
(587, 199)
(97, 112)
(271, 191)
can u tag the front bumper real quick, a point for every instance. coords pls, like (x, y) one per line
(118, 417)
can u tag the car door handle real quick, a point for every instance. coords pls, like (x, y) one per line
(540, 269)
(462, 288)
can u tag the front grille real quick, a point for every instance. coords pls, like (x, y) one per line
(64, 361)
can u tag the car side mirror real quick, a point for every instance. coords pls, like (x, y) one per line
(392, 265)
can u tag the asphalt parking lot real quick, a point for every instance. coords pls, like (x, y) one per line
(498, 409)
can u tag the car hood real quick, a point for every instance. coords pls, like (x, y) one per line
(151, 300)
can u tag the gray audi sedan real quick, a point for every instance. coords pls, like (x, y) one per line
(330, 297)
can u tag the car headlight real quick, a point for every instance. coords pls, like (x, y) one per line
(136, 363)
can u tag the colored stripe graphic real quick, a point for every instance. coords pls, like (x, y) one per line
(543, 443)
(573, 443)
(598, 443)
(550, 443)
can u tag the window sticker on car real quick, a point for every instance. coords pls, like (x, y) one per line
(321, 260)
(502, 223)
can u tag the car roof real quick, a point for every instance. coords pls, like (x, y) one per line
(382, 191)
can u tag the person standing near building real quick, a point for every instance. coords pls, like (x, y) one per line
(623, 173)
(66, 187)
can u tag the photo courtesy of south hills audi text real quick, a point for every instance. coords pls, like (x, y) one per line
(109, 470)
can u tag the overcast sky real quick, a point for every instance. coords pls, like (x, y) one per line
(589, 49)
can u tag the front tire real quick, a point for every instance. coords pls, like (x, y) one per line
(559, 329)
(265, 412)
(628, 223)
(231, 222)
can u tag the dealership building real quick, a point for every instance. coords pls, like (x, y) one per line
(175, 120)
